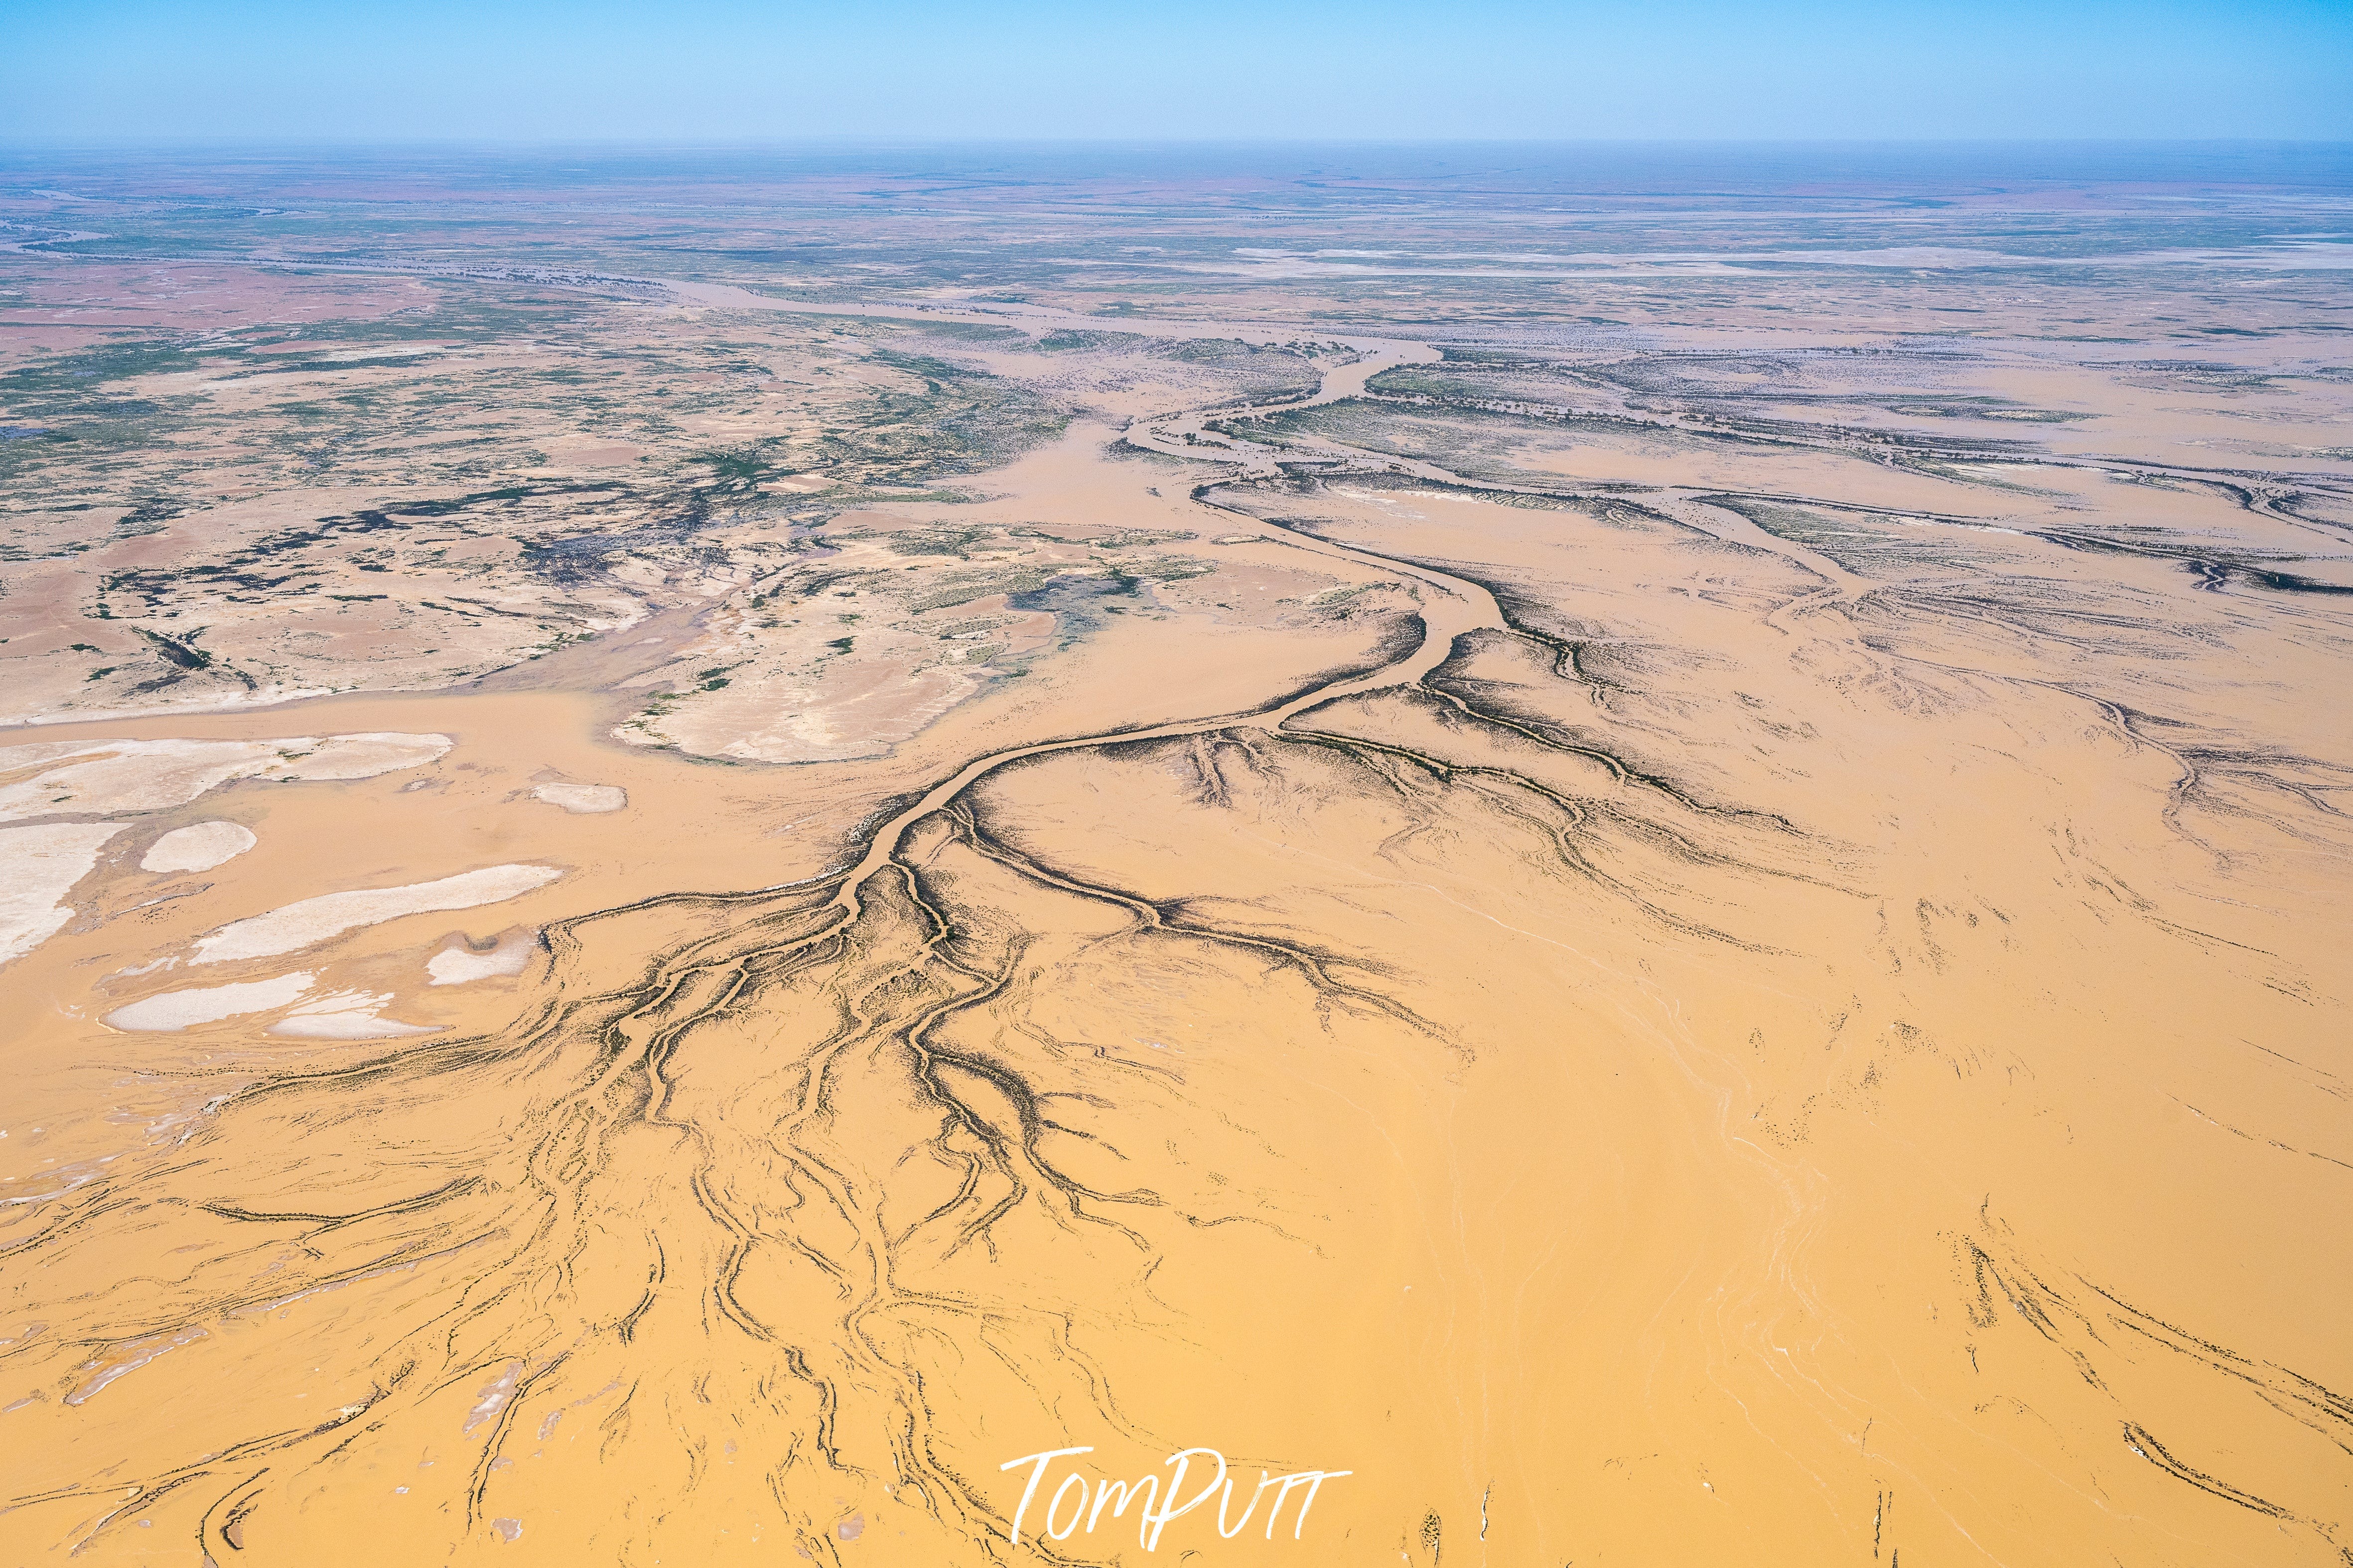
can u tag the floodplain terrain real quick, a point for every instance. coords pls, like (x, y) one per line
(1648, 858)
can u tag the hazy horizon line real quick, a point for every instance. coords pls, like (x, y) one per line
(849, 140)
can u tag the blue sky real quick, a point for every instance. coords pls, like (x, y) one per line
(711, 71)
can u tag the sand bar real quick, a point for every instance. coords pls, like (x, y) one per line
(208, 1004)
(314, 920)
(88, 777)
(38, 866)
(199, 847)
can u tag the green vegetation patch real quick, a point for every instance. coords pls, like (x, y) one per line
(951, 588)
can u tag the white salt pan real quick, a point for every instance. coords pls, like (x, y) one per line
(207, 1004)
(88, 777)
(38, 866)
(582, 800)
(197, 847)
(314, 920)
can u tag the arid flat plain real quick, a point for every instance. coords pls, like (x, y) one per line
(1626, 857)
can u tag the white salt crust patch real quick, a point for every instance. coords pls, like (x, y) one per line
(582, 800)
(207, 1004)
(346, 1015)
(38, 866)
(88, 778)
(197, 847)
(457, 965)
(314, 920)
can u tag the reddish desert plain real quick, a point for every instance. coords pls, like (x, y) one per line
(1010, 863)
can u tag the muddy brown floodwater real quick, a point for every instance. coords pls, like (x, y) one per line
(1590, 982)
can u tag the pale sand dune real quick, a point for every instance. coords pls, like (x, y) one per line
(38, 866)
(314, 920)
(582, 800)
(208, 1004)
(199, 847)
(89, 777)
